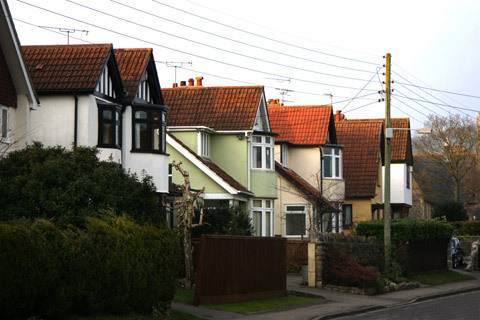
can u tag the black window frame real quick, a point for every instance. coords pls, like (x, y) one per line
(116, 109)
(150, 122)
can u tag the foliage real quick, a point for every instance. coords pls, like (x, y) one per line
(403, 230)
(453, 211)
(224, 219)
(68, 186)
(446, 168)
(341, 268)
(111, 266)
(471, 228)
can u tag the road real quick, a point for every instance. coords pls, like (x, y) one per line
(461, 306)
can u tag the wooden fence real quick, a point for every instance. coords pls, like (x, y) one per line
(235, 268)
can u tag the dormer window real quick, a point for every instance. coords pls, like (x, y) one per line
(204, 145)
(262, 152)
(105, 84)
(143, 91)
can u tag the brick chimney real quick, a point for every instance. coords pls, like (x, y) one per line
(339, 116)
(175, 85)
(274, 102)
(190, 82)
(199, 81)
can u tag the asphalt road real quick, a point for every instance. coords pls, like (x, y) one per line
(461, 306)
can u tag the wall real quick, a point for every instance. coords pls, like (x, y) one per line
(231, 154)
(263, 183)
(306, 162)
(398, 184)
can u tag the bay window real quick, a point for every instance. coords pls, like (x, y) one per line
(332, 162)
(262, 152)
(149, 130)
(109, 126)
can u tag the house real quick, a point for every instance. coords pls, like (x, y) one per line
(18, 98)
(401, 166)
(363, 140)
(84, 103)
(307, 145)
(223, 138)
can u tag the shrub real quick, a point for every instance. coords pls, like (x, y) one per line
(471, 228)
(223, 219)
(453, 211)
(403, 230)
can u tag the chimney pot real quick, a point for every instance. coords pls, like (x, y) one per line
(175, 85)
(190, 82)
(199, 81)
(183, 83)
(338, 116)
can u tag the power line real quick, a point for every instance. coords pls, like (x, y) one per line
(437, 104)
(188, 53)
(361, 90)
(263, 37)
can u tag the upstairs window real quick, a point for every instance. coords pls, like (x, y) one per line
(204, 145)
(4, 124)
(109, 126)
(408, 175)
(149, 130)
(262, 152)
(332, 163)
(284, 155)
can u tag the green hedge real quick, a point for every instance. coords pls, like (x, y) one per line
(471, 228)
(403, 230)
(113, 266)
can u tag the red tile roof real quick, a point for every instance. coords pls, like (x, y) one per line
(302, 125)
(310, 192)
(219, 108)
(212, 166)
(66, 67)
(363, 142)
(132, 64)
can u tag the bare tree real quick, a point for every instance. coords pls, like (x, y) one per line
(187, 214)
(447, 162)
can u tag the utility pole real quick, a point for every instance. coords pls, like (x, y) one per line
(388, 136)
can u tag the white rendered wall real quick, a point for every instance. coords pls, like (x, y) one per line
(155, 165)
(399, 193)
(306, 163)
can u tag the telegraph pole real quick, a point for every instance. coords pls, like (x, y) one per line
(388, 136)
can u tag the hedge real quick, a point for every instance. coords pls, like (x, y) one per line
(113, 266)
(403, 230)
(471, 228)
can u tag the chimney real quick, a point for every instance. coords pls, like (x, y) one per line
(338, 116)
(273, 102)
(175, 85)
(190, 82)
(183, 83)
(199, 81)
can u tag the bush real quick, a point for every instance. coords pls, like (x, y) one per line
(471, 228)
(223, 219)
(403, 230)
(112, 266)
(453, 211)
(67, 186)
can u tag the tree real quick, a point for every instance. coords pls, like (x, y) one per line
(447, 161)
(453, 211)
(67, 186)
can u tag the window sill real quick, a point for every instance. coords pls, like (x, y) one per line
(148, 151)
(338, 179)
(109, 147)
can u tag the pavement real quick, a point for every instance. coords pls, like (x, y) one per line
(339, 304)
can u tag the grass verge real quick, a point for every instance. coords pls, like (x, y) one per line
(176, 315)
(437, 278)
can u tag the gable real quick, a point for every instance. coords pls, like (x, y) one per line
(219, 108)
(303, 125)
(8, 95)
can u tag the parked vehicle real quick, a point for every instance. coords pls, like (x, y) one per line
(457, 253)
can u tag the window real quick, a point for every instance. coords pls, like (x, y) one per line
(347, 215)
(408, 176)
(109, 126)
(295, 220)
(204, 144)
(4, 124)
(149, 129)
(262, 152)
(284, 155)
(262, 211)
(332, 162)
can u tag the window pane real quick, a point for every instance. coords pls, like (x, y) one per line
(257, 139)
(337, 167)
(267, 139)
(141, 115)
(267, 224)
(141, 135)
(257, 203)
(327, 150)
(327, 166)
(268, 203)
(296, 208)
(4, 123)
(107, 115)
(347, 215)
(156, 136)
(268, 158)
(295, 224)
(108, 133)
(257, 157)
(337, 151)
(156, 116)
(257, 223)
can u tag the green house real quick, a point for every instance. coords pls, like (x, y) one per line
(222, 137)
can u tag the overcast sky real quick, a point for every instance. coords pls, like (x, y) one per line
(302, 51)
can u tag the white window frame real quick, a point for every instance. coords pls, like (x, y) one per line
(204, 144)
(284, 155)
(266, 211)
(296, 212)
(4, 118)
(336, 166)
(266, 145)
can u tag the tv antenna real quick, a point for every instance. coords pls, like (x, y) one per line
(283, 93)
(175, 64)
(66, 30)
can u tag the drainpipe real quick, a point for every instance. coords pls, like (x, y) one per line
(75, 125)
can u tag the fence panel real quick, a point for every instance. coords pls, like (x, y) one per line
(235, 268)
